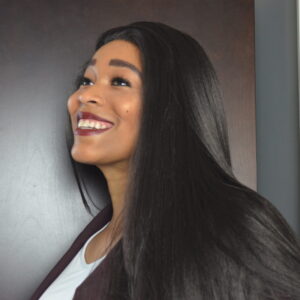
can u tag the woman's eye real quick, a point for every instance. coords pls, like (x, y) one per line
(85, 81)
(116, 81)
(120, 80)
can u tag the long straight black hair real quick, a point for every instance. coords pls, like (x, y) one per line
(190, 229)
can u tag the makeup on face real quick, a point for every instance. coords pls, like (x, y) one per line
(90, 124)
(105, 109)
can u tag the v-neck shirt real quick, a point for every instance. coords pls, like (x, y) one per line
(64, 286)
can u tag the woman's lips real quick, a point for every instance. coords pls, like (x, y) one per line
(92, 131)
(87, 115)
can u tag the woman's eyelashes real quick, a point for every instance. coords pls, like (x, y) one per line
(84, 81)
(121, 79)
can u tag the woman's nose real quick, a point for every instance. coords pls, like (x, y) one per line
(90, 97)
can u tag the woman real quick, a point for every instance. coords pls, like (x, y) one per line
(179, 225)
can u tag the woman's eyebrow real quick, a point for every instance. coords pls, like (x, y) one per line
(122, 63)
(118, 63)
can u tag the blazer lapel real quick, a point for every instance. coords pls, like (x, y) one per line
(97, 222)
(92, 287)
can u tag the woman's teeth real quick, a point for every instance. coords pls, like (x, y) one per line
(88, 124)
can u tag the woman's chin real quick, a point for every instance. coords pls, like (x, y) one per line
(86, 157)
(82, 157)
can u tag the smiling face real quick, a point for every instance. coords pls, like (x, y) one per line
(110, 89)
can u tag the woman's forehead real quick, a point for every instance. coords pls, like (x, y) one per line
(117, 54)
(118, 49)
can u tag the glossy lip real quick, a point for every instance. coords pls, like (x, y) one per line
(86, 132)
(90, 116)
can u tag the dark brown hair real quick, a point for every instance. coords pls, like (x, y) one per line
(191, 230)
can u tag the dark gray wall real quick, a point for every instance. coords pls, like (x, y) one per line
(277, 106)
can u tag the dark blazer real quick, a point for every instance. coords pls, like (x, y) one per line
(96, 224)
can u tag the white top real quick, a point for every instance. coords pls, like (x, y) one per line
(64, 286)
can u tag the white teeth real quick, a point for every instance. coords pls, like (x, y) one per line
(88, 124)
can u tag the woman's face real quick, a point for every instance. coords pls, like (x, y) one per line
(111, 89)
